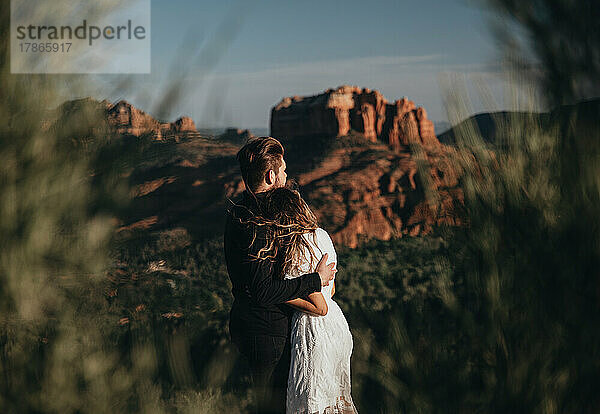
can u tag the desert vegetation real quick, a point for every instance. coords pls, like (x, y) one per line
(498, 315)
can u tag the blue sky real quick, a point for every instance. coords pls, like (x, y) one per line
(237, 59)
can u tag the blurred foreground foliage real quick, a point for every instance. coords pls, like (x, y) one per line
(499, 316)
(68, 343)
(507, 320)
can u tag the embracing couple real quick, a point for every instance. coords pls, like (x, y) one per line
(282, 267)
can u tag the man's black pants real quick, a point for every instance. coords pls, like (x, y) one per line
(269, 360)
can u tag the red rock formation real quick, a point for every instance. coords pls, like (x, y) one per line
(184, 124)
(426, 128)
(337, 111)
(236, 135)
(370, 113)
(373, 188)
(369, 191)
(325, 114)
(394, 131)
(359, 189)
(126, 118)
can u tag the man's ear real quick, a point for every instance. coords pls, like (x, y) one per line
(270, 178)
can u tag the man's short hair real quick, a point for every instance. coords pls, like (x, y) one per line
(257, 157)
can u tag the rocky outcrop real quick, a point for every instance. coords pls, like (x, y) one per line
(324, 114)
(384, 173)
(183, 124)
(362, 190)
(338, 111)
(81, 116)
(127, 119)
(236, 135)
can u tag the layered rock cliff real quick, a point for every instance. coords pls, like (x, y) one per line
(350, 108)
(236, 135)
(362, 190)
(131, 120)
(383, 172)
(120, 117)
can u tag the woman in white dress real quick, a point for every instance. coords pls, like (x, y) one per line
(321, 342)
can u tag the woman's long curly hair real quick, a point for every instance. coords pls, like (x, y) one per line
(286, 218)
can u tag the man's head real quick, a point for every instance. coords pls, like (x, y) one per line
(262, 164)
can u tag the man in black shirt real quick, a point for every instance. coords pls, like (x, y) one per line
(259, 320)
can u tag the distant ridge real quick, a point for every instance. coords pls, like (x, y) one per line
(125, 118)
(487, 123)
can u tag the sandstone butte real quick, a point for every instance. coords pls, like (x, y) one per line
(374, 188)
(121, 117)
(236, 135)
(338, 111)
(128, 119)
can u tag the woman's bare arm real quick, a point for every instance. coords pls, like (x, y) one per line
(332, 288)
(315, 305)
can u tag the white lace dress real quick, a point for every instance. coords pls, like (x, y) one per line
(319, 378)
